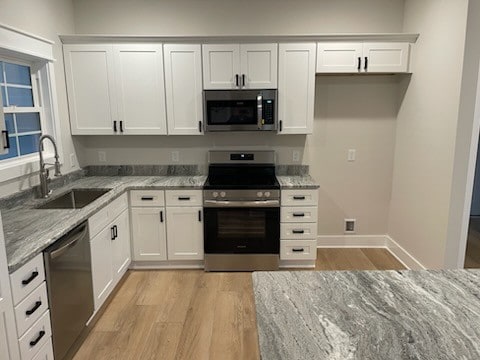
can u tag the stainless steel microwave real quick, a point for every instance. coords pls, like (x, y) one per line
(240, 110)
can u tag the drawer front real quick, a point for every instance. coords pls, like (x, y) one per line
(307, 214)
(117, 207)
(46, 352)
(147, 198)
(184, 197)
(31, 308)
(36, 337)
(27, 278)
(302, 231)
(299, 197)
(298, 249)
(97, 222)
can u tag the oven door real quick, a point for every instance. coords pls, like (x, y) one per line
(242, 230)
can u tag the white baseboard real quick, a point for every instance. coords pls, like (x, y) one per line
(371, 241)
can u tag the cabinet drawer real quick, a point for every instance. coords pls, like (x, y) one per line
(147, 198)
(46, 352)
(300, 197)
(105, 216)
(183, 197)
(292, 231)
(298, 214)
(37, 336)
(117, 207)
(27, 278)
(31, 308)
(298, 249)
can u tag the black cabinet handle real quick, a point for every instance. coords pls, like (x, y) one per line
(41, 334)
(34, 308)
(298, 214)
(121, 126)
(115, 125)
(236, 80)
(243, 79)
(115, 231)
(161, 216)
(298, 250)
(31, 278)
(366, 63)
(199, 126)
(184, 198)
(149, 198)
(298, 231)
(112, 233)
(200, 215)
(359, 63)
(299, 198)
(280, 124)
(7, 139)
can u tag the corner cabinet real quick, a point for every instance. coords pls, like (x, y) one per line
(296, 87)
(363, 57)
(115, 89)
(239, 66)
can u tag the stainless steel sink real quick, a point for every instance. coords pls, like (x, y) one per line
(74, 199)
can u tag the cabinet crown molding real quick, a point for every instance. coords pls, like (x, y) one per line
(103, 38)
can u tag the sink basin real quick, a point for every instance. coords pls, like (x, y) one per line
(74, 199)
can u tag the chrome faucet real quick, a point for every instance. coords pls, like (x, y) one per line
(44, 191)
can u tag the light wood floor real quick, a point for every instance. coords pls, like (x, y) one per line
(190, 314)
(472, 256)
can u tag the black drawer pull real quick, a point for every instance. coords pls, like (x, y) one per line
(298, 214)
(115, 231)
(7, 139)
(184, 198)
(298, 231)
(161, 216)
(115, 125)
(30, 279)
(41, 334)
(147, 198)
(359, 63)
(112, 233)
(200, 215)
(121, 126)
(199, 126)
(366, 63)
(299, 198)
(33, 309)
(298, 250)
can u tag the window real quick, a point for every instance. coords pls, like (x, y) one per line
(21, 109)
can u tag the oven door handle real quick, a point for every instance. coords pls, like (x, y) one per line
(259, 111)
(226, 203)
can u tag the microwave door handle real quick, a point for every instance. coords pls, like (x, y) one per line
(259, 110)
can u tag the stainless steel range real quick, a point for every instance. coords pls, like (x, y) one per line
(242, 212)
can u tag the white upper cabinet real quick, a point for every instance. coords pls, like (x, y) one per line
(296, 87)
(183, 84)
(234, 66)
(90, 88)
(115, 89)
(362, 57)
(140, 89)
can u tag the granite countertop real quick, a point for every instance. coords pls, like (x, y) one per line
(297, 182)
(28, 230)
(368, 314)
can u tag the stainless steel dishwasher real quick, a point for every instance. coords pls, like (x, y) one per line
(70, 291)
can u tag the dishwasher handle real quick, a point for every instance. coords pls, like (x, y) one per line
(73, 237)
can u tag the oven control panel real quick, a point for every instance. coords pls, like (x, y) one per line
(241, 195)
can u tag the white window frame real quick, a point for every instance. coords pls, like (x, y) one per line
(19, 47)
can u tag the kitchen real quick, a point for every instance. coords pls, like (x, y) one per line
(396, 125)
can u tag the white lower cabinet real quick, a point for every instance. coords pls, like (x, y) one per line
(185, 233)
(121, 247)
(36, 337)
(46, 352)
(102, 266)
(149, 241)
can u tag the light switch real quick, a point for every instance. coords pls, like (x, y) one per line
(352, 153)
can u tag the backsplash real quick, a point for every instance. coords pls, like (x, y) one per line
(145, 170)
(292, 170)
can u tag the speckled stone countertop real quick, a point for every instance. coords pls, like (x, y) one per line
(368, 314)
(297, 182)
(28, 230)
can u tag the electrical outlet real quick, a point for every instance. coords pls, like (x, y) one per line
(175, 156)
(296, 156)
(73, 161)
(350, 225)
(102, 156)
(352, 154)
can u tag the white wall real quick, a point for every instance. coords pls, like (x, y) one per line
(46, 18)
(426, 129)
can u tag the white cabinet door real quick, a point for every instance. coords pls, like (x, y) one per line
(386, 57)
(102, 276)
(339, 57)
(91, 89)
(185, 233)
(149, 242)
(140, 89)
(296, 88)
(8, 331)
(183, 83)
(121, 246)
(221, 66)
(259, 66)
